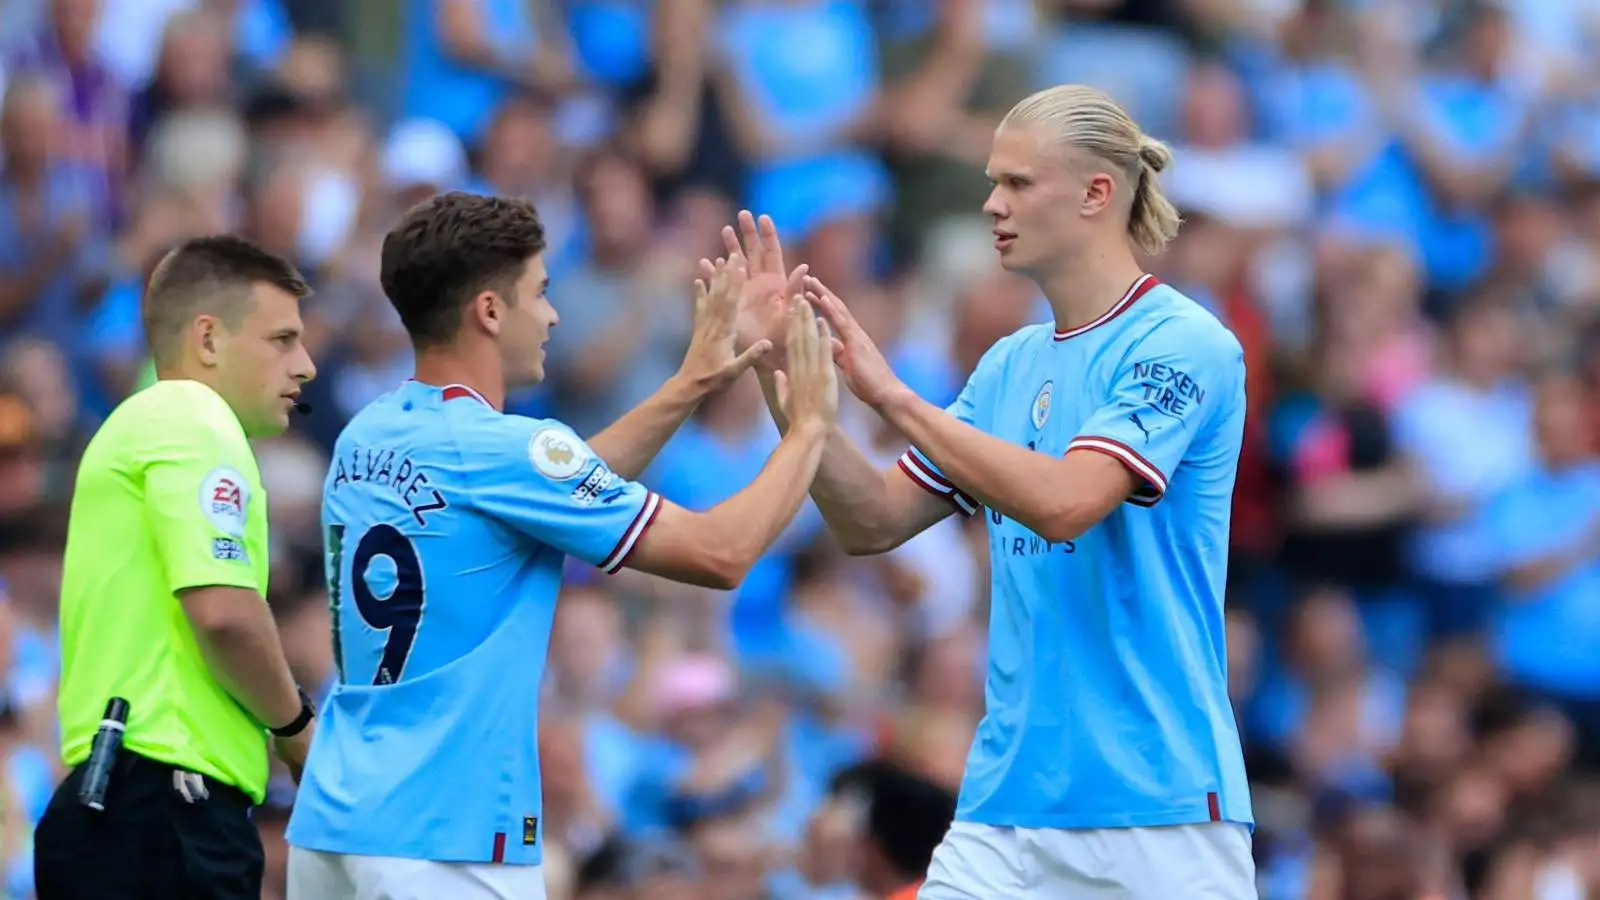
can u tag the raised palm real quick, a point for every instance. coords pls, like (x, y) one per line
(764, 300)
(713, 361)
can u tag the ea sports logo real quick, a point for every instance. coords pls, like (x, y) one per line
(227, 497)
(224, 500)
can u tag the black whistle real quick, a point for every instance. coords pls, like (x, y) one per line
(103, 755)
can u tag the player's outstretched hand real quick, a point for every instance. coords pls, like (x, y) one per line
(712, 363)
(866, 372)
(764, 297)
(808, 390)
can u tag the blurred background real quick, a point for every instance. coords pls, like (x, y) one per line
(1395, 204)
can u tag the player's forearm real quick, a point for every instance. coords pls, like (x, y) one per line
(849, 490)
(1021, 484)
(631, 443)
(243, 652)
(747, 524)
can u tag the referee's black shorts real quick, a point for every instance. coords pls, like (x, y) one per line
(160, 837)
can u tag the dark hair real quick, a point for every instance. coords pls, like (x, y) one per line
(907, 815)
(445, 251)
(908, 819)
(213, 275)
(270, 104)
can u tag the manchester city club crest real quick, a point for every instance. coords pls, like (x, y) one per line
(1041, 404)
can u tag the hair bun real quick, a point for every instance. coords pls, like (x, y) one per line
(1155, 155)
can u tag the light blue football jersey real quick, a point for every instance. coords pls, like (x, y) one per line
(1107, 699)
(447, 523)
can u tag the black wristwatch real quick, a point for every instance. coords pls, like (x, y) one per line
(307, 713)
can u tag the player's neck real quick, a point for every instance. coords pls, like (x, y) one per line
(446, 367)
(188, 370)
(1082, 290)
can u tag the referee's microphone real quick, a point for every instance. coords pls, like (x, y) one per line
(103, 755)
(302, 407)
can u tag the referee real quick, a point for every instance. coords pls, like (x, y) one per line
(162, 596)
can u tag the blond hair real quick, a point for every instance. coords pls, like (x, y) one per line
(1088, 120)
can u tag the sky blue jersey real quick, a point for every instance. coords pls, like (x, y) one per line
(1107, 700)
(447, 523)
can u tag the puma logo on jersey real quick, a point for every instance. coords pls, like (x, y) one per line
(1139, 423)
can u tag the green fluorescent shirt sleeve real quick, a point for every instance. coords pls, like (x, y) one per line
(199, 498)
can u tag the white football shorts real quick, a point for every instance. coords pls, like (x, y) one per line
(1206, 861)
(314, 875)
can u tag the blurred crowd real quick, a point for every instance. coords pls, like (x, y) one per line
(1395, 204)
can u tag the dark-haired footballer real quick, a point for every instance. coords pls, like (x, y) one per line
(447, 525)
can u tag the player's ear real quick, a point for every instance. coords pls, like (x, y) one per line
(488, 311)
(1098, 192)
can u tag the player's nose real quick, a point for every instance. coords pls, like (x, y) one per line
(994, 206)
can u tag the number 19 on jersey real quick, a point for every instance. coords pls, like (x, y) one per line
(385, 556)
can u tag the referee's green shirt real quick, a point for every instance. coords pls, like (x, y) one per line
(168, 497)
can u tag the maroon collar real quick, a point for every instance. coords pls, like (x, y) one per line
(1139, 288)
